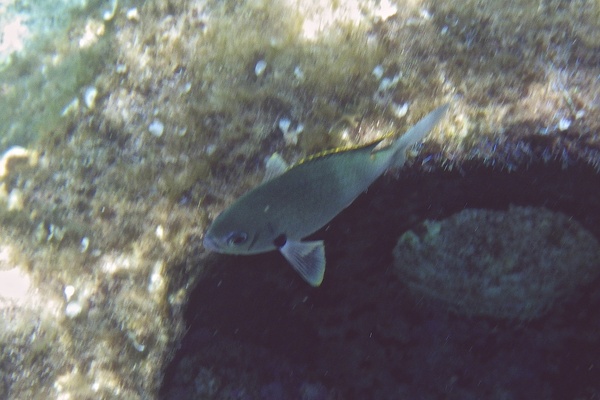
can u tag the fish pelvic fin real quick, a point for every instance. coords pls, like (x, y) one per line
(415, 135)
(307, 258)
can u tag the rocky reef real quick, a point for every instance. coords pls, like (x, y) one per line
(502, 264)
(127, 126)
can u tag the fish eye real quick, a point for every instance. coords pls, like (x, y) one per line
(236, 238)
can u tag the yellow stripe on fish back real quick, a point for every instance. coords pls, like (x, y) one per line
(343, 149)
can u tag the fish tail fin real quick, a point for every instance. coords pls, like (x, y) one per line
(415, 135)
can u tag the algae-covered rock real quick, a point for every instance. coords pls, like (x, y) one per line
(504, 264)
(126, 126)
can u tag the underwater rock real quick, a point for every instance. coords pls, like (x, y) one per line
(104, 216)
(503, 264)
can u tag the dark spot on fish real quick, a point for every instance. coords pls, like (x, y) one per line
(280, 241)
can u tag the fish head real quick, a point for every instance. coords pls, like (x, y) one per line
(240, 230)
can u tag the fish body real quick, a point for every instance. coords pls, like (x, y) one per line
(280, 212)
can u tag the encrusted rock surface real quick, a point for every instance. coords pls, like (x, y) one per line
(503, 264)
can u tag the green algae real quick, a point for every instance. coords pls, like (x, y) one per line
(38, 88)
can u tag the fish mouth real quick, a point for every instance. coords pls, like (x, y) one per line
(210, 244)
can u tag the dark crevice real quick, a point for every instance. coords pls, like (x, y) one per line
(350, 333)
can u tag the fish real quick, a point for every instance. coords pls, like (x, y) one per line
(292, 203)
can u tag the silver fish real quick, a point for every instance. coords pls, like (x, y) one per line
(298, 201)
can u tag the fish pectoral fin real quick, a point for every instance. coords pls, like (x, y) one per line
(307, 258)
(274, 167)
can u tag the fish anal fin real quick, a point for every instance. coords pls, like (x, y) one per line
(307, 258)
(275, 166)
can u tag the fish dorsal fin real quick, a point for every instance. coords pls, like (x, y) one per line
(275, 166)
(368, 146)
(307, 258)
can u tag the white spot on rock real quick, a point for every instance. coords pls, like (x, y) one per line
(564, 124)
(260, 67)
(156, 128)
(15, 200)
(399, 110)
(160, 232)
(133, 14)
(289, 135)
(14, 284)
(284, 125)
(121, 68)
(84, 245)
(71, 107)
(210, 149)
(298, 73)
(386, 10)
(73, 309)
(89, 97)
(69, 292)
(378, 71)
(12, 155)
